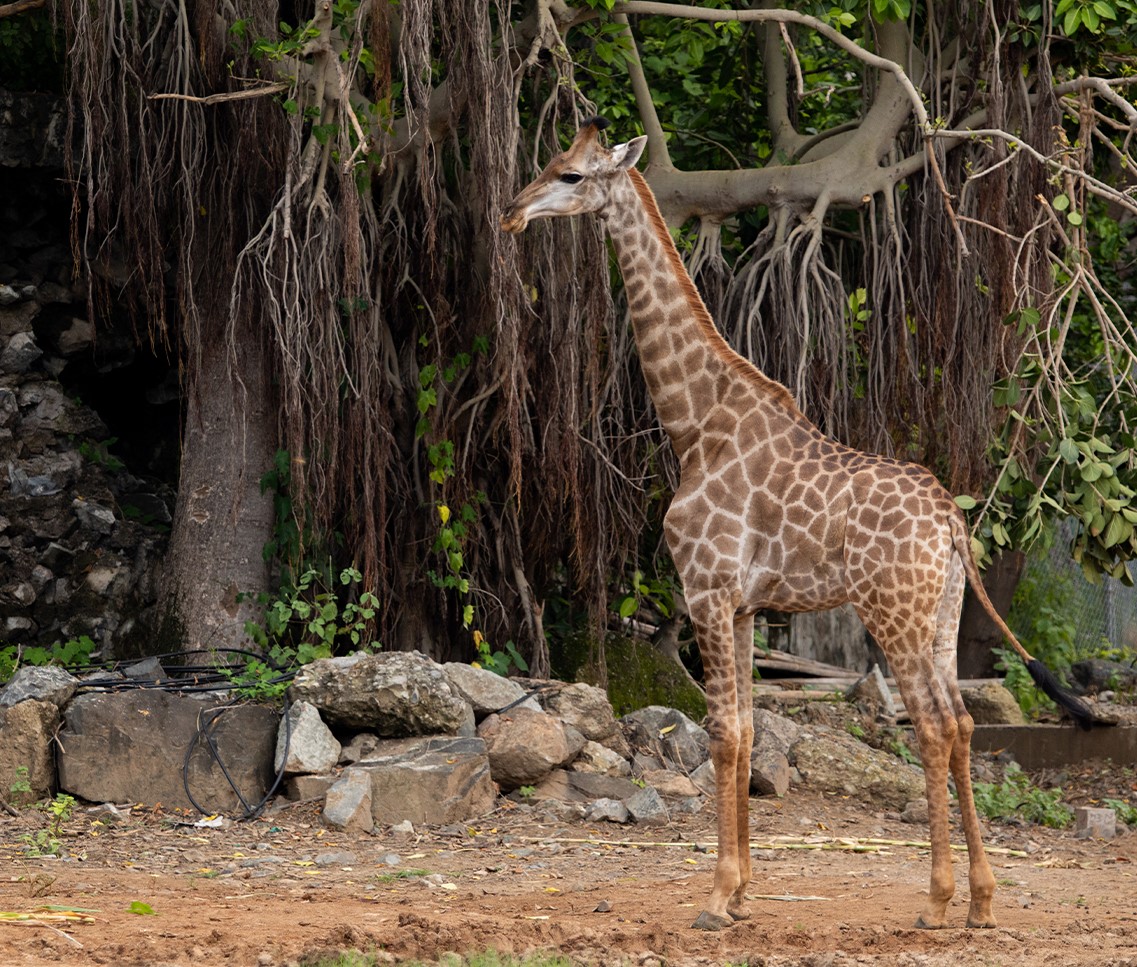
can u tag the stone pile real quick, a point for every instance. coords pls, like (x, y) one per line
(392, 738)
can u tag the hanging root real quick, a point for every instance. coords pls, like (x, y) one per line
(1045, 679)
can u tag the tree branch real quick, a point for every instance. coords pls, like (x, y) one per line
(658, 155)
(11, 9)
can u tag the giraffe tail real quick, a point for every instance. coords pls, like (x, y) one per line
(1043, 677)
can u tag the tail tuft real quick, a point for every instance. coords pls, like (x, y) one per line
(1044, 679)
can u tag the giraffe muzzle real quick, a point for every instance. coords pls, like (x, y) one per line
(513, 220)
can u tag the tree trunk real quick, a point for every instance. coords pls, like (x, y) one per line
(977, 632)
(222, 521)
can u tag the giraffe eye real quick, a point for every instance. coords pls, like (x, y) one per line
(571, 178)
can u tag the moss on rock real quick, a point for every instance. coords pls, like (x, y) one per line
(638, 675)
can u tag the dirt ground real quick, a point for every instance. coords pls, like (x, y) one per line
(284, 889)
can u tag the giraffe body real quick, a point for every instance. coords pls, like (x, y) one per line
(770, 513)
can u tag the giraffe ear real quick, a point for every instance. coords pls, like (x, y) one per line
(626, 155)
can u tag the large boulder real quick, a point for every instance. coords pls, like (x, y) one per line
(486, 691)
(26, 732)
(304, 744)
(832, 761)
(667, 734)
(992, 704)
(587, 709)
(393, 693)
(525, 746)
(567, 786)
(45, 683)
(130, 747)
(438, 781)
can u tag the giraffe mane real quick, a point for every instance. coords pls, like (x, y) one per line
(771, 387)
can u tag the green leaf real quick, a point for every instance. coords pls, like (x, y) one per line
(1068, 450)
(628, 606)
(1061, 202)
(1074, 218)
(1073, 18)
(966, 502)
(142, 909)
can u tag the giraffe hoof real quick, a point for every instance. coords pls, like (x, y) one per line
(739, 913)
(711, 921)
(982, 922)
(925, 923)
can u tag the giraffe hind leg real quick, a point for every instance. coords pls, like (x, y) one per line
(744, 691)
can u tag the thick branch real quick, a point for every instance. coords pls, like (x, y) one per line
(11, 9)
(658, 155)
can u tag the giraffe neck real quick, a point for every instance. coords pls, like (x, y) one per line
(688, 366)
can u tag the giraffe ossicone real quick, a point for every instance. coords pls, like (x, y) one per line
(770, 513)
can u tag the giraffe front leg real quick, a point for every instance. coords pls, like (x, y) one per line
(712, 615)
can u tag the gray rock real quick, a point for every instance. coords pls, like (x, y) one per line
(587, 709)
(1096, 674)
(647, 807)
(394, 693)
(566, 786)
(44, 683)
(598, 758)
(436, 781)
(93, 516)
(704, 777)
(992, 704)
(525, 746)
(485, 691)
(774, 732)
(78, 336)
(359, 748)
(308, 788)
(609, 811)
(147, 670)
(130, 747)
(667, 733)
(872, 690)
(20, 354)
(26, 742)
(832, 761)
(311, 747)
(8, 295)
(348, 802)
(915, 812)
(769, 773)
(335, 858)
(671, 785)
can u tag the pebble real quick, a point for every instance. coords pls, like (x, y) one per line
(335, 859)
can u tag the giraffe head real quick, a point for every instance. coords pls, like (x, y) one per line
(576, 181)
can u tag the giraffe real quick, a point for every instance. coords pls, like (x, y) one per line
(770, 513)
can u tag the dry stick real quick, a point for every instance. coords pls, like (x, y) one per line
(870, 844)
(274, 88)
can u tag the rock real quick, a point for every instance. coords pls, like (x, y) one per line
(587, 709)
(27, 733)
(304, 743)
(773, 732)
(607, 810)
(94, 517)
(437, 780)
(871, 690)
(44, 683)
(308, 788)
(393, 693)
(668, 733)
(359, 748)
(769, 773)
(525, 746)
(77, 337)
(147, 670)
(704, 777)
(20, 354)
(832, 761)
(485, 691)
(992, 704)
(670, 785)
(565, 786)
(646, 807)
(598, 758)
(915, 812)
(1095, 823)
(1096, 674)
(403, 831)
(348, 802)
(130, 747)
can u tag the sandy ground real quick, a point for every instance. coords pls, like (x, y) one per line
(285, 890)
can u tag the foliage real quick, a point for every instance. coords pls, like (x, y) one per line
(1016, 798)
(1126, 811)
(304, 623)
(21, 788)
(500, 662)
(48, 841)
(31, 53)
(73, 653)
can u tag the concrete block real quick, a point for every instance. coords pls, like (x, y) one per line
(1092, 822)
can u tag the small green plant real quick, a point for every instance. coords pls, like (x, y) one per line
(499, 662)
(99, 454)
(48, 841)
(527, 792)
(1015, 797)
(902, 750)
(1126, 811)
(856, 730)
(409, 873)
(21, 787)
(73, 653)
(304, 623)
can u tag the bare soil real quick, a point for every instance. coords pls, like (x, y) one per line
(284, 889)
